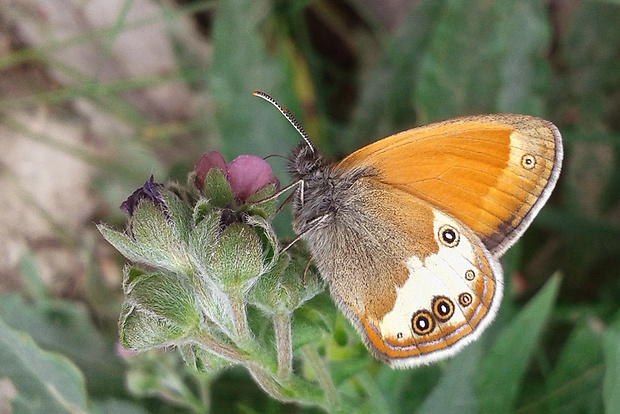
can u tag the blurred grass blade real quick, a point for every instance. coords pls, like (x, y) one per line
(611, 383)
(507, 360)
(455, 392)
(31, 277)
(524, 72)
(38, 378)
(576, 380)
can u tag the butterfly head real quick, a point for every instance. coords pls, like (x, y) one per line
(304, 163)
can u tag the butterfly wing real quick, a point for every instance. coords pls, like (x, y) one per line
(416, 283)
(491, 172)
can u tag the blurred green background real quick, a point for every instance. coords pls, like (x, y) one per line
(96, 95)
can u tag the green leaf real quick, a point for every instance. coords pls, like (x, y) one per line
(37, 380)
(161, 374)
(575, 383)
(111, 406)
(410, 388)
(524, 72)
(611, 383)
(455, 392)
(592, 65)
(65, 327)
(31, 277)
(506, 362)
(311, 322)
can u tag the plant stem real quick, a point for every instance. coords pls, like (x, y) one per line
(266, 381)
(292, 389)
(240, 320)
(322, 374)
(284, 343)
(217, 347)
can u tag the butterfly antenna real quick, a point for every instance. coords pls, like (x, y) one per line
(288, 115)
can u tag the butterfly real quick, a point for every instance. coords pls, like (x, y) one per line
(407, 231)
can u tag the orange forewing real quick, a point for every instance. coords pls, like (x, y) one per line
(490, 171)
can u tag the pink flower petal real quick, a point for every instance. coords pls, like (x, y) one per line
(208, 160)
(247, 174)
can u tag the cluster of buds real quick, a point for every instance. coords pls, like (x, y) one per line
(201, 255)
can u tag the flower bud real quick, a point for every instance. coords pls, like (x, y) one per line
(149, 191)
(245, 175)
(206, 163)
(158, 231)
(286, 286)
(237, 257)
(159, 310)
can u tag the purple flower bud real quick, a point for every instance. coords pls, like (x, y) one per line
(211, 159)
(149, 191)
(247, 174)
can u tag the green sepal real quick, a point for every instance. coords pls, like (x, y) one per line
(268, 294)
(271, 246)
(202, 209)
(159, 309)
(124, 244)
(284, 287)
(201, 359)
(168, 296)
(179, 213)
(140, 330)
(217, 189)
(204, 236)
(237, 257)
(163, 246)
(264, 209)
